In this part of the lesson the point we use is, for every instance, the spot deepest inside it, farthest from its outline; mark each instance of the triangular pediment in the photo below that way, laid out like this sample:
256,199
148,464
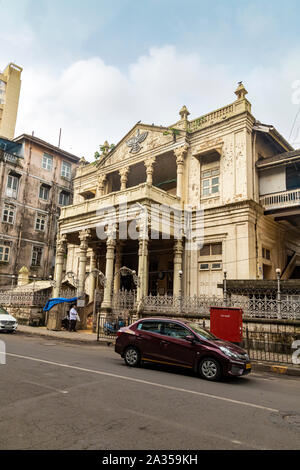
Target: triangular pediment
139,141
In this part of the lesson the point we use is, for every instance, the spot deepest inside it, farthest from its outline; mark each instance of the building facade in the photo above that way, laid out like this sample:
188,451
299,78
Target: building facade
36,182
199,175
10,85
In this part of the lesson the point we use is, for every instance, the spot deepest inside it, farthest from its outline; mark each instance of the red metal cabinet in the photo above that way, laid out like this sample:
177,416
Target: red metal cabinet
227,323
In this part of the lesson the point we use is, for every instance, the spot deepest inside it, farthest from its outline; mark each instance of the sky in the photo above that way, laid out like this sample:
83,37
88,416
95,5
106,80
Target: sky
94,68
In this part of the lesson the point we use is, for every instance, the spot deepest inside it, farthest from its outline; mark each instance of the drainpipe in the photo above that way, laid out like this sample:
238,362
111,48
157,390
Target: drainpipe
20,228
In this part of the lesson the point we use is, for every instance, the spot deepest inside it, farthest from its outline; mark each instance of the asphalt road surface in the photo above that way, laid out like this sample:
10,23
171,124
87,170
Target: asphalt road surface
56,395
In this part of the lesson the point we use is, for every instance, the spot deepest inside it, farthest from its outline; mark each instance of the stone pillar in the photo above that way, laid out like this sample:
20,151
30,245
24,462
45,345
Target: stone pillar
101,185
180,154
124,177
142,267
178,250
84,235
92,277
59,263
118,265
149,169
109,271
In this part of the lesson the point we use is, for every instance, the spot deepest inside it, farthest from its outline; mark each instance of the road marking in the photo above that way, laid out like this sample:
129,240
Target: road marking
130,379
44,386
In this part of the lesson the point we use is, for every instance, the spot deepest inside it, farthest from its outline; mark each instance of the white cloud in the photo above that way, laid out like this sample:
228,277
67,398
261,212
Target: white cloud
92,101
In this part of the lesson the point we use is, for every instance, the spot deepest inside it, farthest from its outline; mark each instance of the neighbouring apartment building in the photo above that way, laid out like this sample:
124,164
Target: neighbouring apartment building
10,85
36,182
243,174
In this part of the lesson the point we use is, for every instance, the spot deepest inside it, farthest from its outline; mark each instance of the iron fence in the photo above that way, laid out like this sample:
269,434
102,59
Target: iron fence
108,326
253,306
275,343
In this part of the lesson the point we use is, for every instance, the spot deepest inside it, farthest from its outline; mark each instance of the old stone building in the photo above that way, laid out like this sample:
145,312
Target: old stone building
10,85
128,207
36,182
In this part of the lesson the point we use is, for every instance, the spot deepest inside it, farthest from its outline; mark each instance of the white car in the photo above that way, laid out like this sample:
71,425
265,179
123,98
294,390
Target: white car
7,322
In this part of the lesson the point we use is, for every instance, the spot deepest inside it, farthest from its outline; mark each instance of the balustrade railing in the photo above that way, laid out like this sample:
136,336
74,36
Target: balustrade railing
31,298
280,200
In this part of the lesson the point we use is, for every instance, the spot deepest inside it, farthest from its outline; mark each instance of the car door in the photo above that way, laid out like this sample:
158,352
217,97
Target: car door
175,349
148,337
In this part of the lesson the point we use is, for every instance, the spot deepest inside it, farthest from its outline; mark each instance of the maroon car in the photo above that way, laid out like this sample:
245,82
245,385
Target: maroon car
181,343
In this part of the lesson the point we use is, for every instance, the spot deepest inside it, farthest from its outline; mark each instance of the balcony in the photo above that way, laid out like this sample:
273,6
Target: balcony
10,158
281,200
129,196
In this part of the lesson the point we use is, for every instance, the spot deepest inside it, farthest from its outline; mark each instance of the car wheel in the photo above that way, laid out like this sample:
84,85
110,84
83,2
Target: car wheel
132,357
210,369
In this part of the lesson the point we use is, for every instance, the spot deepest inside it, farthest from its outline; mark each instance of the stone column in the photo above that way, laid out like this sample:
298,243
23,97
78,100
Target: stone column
109,271
118,266
84,235
149,169
59,263
124,177
92,277
142,267
180,154
178,250
101,185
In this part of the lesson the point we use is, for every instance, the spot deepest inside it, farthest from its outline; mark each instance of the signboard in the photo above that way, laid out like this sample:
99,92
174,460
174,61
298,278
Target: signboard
80,303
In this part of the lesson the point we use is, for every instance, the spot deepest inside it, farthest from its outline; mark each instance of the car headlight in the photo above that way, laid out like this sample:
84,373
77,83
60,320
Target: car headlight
230,353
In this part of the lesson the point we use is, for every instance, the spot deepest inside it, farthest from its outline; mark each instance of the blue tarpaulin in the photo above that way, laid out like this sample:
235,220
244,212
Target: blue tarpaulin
59,300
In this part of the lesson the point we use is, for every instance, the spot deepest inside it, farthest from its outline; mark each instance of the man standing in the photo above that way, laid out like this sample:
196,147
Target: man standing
73,315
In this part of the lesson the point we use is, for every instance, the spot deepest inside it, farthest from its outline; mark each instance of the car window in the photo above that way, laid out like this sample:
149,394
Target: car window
176,331
2,311
205,334
151,326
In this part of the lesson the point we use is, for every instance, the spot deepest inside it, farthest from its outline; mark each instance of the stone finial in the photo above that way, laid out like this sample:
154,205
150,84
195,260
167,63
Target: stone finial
82,161
184,113
23,276
105,147
241,91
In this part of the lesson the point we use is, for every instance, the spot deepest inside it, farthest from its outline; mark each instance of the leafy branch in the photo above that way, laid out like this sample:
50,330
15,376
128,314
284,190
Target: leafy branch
172,131
104,150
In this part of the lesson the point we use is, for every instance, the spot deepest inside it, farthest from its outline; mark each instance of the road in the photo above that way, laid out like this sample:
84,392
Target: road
57,395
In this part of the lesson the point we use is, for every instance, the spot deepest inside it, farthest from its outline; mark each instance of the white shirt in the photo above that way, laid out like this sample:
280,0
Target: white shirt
73,314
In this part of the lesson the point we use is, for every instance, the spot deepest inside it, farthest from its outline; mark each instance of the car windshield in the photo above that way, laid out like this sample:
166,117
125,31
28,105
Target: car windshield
2,311
201,331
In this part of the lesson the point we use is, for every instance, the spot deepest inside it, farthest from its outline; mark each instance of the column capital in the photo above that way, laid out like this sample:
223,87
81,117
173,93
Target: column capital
84,235
123,172
111,230
61,243
149,162
180,153
178,246
100,185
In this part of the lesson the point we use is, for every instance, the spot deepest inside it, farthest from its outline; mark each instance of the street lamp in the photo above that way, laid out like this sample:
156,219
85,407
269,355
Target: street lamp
180,272
225,287
278,274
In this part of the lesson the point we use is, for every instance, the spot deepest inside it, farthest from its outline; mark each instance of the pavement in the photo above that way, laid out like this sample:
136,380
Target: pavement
88,337
58,395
